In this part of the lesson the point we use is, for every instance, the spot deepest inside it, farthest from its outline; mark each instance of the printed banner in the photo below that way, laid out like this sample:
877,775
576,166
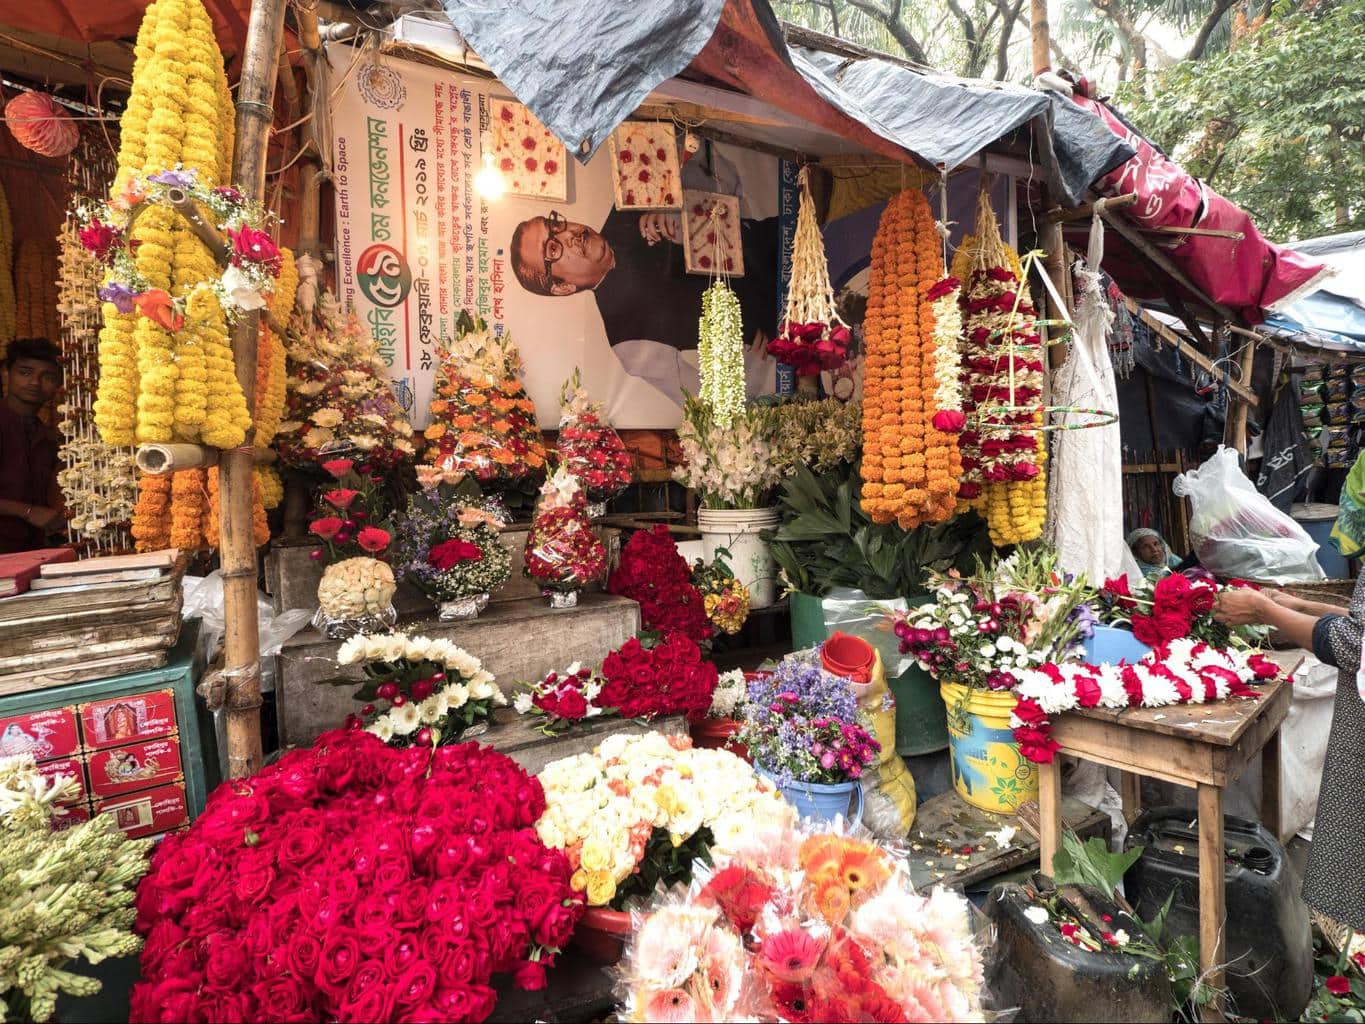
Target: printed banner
578,283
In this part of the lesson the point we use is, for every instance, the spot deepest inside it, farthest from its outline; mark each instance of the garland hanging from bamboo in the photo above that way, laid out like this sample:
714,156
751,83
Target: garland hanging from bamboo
910,465
1003,453
163,379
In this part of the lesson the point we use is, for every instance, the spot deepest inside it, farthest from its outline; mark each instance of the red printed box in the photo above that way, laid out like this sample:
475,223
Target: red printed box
68,816
142,814
138,766
120,720
67,766
44,734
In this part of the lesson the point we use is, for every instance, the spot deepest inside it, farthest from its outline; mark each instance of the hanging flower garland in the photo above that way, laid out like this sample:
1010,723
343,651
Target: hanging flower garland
107,230
910,462
812,336
720,352
151,526
1003,453
1185,671
166,366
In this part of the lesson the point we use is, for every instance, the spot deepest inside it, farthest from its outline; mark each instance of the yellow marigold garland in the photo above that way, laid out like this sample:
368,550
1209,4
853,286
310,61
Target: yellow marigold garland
910,466
178,115
271,486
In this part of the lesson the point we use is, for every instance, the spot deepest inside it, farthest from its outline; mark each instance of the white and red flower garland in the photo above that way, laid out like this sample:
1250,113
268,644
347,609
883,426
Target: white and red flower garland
1181,672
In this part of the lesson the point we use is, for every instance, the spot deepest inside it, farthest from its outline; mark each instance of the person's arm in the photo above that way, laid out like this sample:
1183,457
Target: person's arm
1298,604
35,515
1321,634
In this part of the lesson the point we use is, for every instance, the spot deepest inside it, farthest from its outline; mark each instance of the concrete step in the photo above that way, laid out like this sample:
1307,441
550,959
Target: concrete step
291,575
518,641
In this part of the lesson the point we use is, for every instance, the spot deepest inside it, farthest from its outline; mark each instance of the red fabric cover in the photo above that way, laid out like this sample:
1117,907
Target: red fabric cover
1249,275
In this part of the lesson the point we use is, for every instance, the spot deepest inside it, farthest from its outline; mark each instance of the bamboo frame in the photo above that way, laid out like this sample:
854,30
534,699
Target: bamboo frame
242,668
1187,350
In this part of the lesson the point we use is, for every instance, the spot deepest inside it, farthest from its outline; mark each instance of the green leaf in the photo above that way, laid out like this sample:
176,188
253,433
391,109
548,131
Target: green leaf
1091,863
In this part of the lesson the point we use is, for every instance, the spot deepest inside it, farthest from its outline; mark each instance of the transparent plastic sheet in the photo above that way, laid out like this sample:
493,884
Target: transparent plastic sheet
348,626
204,601
1237,532
853,612
759,934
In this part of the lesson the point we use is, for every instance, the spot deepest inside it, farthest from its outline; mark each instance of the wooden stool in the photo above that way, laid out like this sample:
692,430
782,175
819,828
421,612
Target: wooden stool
1204,746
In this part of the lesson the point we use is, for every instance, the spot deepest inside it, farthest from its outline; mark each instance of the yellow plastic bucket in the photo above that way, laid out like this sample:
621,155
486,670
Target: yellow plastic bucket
988,769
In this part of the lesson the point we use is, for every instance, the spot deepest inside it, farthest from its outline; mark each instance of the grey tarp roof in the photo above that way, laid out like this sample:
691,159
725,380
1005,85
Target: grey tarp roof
582,68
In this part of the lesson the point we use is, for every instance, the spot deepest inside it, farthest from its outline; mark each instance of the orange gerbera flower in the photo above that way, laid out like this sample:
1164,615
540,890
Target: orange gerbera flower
475,398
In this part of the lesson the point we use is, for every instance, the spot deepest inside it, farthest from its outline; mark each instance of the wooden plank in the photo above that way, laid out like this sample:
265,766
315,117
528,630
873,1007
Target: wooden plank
1049,813
110,563
1271,815
35,606
1221,723
95,668
1131,794
1155,755
1086,210
1189,351
89,634
947,825
64,620
128,645
1212,897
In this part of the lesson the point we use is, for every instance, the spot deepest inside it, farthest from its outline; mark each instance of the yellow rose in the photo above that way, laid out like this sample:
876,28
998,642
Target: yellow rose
667,800
601,888
596,855
579,880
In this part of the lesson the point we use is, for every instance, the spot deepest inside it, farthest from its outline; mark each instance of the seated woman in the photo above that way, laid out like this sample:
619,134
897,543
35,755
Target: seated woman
1152,552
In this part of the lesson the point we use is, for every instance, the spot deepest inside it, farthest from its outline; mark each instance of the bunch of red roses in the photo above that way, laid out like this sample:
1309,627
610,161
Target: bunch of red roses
355,882
668,678
652,573
347,514
592,450
562,698
562,551
1178,607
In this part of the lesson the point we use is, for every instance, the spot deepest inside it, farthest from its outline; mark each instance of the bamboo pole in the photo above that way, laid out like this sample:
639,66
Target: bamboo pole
172,458
1050,230
242,667
1236,428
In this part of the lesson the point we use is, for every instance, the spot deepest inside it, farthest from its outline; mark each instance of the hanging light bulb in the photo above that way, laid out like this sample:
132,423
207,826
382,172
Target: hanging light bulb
489,182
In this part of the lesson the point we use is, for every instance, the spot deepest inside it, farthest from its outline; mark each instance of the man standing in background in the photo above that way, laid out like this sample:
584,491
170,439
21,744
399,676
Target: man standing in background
30,500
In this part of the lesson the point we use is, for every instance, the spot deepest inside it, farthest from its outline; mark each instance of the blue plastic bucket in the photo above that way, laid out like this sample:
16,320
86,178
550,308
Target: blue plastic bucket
1109,645
823,801
1317,521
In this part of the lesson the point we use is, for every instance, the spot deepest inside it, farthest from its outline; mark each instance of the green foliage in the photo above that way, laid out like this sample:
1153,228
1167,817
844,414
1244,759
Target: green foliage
1091,863
1275,123
826,541
664,864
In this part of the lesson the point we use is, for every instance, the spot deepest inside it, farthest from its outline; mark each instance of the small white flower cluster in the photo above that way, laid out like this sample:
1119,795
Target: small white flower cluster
466,679
729,694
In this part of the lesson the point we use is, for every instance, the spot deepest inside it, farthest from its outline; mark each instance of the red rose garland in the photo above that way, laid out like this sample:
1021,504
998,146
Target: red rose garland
654,574
1180,672
354,881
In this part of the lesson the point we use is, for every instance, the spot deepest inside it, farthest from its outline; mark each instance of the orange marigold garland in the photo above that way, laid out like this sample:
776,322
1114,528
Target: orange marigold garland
1002,452
189,500
260,526
151,526
910,465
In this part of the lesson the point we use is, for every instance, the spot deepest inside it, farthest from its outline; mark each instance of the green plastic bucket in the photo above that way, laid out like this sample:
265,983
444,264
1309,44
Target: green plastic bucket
921,718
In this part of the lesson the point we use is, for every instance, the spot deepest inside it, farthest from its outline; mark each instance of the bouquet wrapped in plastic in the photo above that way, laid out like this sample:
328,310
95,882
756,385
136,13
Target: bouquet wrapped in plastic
800,927
339,402
482,421
592,450
563,554
452,552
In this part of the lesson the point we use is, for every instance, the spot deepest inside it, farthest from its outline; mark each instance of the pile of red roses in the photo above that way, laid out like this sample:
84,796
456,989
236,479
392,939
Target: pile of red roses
450,553
654,574
810,348
668,678
1178,605
354,881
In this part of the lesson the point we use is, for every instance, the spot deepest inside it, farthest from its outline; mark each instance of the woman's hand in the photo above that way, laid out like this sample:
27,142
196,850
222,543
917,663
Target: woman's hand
1244,607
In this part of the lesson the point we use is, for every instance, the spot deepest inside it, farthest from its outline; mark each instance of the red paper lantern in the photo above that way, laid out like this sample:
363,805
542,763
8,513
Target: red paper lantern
39,123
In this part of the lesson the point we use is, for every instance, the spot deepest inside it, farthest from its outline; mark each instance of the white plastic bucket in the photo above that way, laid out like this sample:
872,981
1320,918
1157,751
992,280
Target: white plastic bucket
737,531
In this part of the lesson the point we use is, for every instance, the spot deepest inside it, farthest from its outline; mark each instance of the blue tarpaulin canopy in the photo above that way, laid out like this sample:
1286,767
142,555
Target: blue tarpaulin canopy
583,68
1332,318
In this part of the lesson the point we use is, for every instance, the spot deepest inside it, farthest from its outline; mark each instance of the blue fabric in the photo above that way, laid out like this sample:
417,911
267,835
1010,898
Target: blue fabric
1322,640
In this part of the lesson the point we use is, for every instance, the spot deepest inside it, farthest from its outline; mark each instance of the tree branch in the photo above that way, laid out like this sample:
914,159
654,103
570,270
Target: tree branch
889,18
969,34
1009,18
1134,42
1201,41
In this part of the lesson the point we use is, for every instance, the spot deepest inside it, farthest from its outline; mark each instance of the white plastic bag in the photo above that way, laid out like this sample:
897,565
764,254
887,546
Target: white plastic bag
1237,532
204,601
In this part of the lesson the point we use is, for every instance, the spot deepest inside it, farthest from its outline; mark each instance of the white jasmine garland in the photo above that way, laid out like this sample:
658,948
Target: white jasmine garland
720,353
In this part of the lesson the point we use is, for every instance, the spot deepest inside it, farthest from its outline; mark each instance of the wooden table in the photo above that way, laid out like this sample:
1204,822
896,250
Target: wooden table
1205,746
